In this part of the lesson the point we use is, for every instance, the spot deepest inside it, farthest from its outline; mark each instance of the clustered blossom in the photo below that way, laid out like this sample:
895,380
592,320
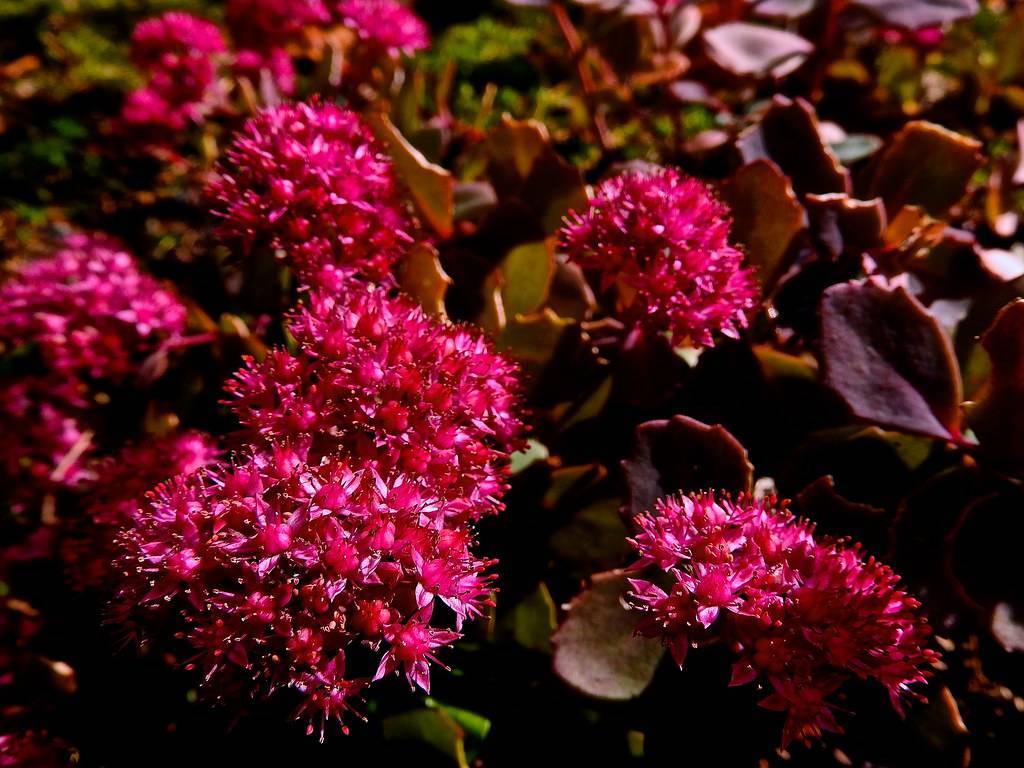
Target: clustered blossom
46,445
382,383
804,614
88,309
310,180
385,23
336,548
30,750
176,52
313,578
260,30
118,487
661,239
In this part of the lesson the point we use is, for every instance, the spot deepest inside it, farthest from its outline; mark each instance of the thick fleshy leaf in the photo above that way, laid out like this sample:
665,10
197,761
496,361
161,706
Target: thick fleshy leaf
594,539
432,187
918,14
523,163
789,134
596,651
889,360
998,419
527,271
783,9
756,50
925,165
838,517
842,224
683,454
534,619
421,276
766,215
430,726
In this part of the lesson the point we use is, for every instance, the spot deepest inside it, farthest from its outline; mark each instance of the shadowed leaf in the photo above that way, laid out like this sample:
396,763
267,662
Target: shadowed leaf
683,454
595,649
788,134
998,419
889,360
925,165
766,215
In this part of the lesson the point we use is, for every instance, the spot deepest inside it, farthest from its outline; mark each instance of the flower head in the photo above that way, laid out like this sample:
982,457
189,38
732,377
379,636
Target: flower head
118,486
806,614
385,23
176,52
88,309
307,577
661,239
261,29
393,390
263,25
309,180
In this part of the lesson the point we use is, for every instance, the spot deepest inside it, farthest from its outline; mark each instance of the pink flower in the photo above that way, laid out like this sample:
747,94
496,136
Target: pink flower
389,388
118,487
385,23
89,310
805,614
274,64
278,569
31,750
46,444
310,180
261,29
661,240
177,54
264,25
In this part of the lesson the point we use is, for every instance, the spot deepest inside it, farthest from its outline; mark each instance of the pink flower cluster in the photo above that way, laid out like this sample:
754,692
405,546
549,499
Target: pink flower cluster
90,314
89,310
30,750
392,390
46,445
118,487
336,548
385,23
804,614
661,239
310,180
316,579
177,54
260,30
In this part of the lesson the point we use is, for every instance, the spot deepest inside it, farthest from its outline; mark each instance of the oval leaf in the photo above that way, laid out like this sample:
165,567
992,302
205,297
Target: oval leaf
755,50
889,360
595,649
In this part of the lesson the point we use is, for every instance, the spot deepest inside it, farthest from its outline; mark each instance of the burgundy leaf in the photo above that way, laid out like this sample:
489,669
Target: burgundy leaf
683,454
889,360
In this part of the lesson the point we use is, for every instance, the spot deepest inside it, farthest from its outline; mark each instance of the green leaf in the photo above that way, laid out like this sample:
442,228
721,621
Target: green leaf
534,619
594,539
435,727
535,451
527,270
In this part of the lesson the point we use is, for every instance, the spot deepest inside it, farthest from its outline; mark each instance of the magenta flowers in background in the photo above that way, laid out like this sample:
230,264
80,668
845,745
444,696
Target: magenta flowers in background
176,54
